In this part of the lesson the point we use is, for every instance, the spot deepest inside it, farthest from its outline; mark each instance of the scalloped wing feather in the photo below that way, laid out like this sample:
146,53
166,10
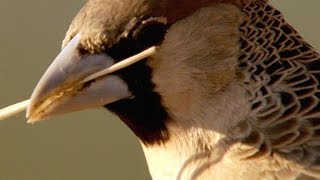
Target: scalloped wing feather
281,73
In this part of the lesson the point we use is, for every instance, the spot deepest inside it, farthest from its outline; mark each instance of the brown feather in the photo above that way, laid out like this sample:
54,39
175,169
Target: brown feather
103,23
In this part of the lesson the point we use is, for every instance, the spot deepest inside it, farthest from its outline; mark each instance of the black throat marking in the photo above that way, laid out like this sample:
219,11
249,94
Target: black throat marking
144,113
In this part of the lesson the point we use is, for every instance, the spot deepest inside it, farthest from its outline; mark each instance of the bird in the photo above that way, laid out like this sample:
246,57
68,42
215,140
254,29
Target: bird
232,91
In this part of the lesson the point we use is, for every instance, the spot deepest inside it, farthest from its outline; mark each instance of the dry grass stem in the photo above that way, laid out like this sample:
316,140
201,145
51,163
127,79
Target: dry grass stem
13,109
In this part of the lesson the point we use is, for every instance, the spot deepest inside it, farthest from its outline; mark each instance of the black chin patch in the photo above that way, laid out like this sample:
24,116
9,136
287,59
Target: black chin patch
144,113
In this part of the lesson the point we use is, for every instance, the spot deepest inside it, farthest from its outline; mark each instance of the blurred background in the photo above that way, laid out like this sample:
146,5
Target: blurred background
86,145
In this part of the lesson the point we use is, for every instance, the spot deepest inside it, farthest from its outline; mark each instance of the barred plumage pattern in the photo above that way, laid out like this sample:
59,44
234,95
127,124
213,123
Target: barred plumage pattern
281,73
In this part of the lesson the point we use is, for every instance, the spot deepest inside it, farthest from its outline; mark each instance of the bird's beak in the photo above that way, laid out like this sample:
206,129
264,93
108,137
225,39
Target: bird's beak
62,90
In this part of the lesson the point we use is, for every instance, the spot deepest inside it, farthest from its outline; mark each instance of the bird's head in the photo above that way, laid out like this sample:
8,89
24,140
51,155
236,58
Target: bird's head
195,53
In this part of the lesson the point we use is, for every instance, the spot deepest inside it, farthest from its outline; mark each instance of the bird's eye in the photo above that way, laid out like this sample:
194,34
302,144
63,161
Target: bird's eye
83,51
145,34
150,32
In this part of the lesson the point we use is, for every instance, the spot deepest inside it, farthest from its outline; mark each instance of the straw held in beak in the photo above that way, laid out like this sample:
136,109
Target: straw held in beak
12,110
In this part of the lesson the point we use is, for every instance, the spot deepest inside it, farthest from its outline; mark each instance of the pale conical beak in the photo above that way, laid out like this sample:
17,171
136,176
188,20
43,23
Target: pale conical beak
61,89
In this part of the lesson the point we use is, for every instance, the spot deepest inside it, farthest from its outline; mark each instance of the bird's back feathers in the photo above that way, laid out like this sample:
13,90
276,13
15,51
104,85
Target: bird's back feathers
281,74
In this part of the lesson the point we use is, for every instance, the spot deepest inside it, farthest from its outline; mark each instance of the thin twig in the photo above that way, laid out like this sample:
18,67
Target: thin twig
13,109
22,106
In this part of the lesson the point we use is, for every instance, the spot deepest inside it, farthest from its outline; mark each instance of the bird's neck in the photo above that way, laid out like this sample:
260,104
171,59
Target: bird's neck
200,140
178,159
